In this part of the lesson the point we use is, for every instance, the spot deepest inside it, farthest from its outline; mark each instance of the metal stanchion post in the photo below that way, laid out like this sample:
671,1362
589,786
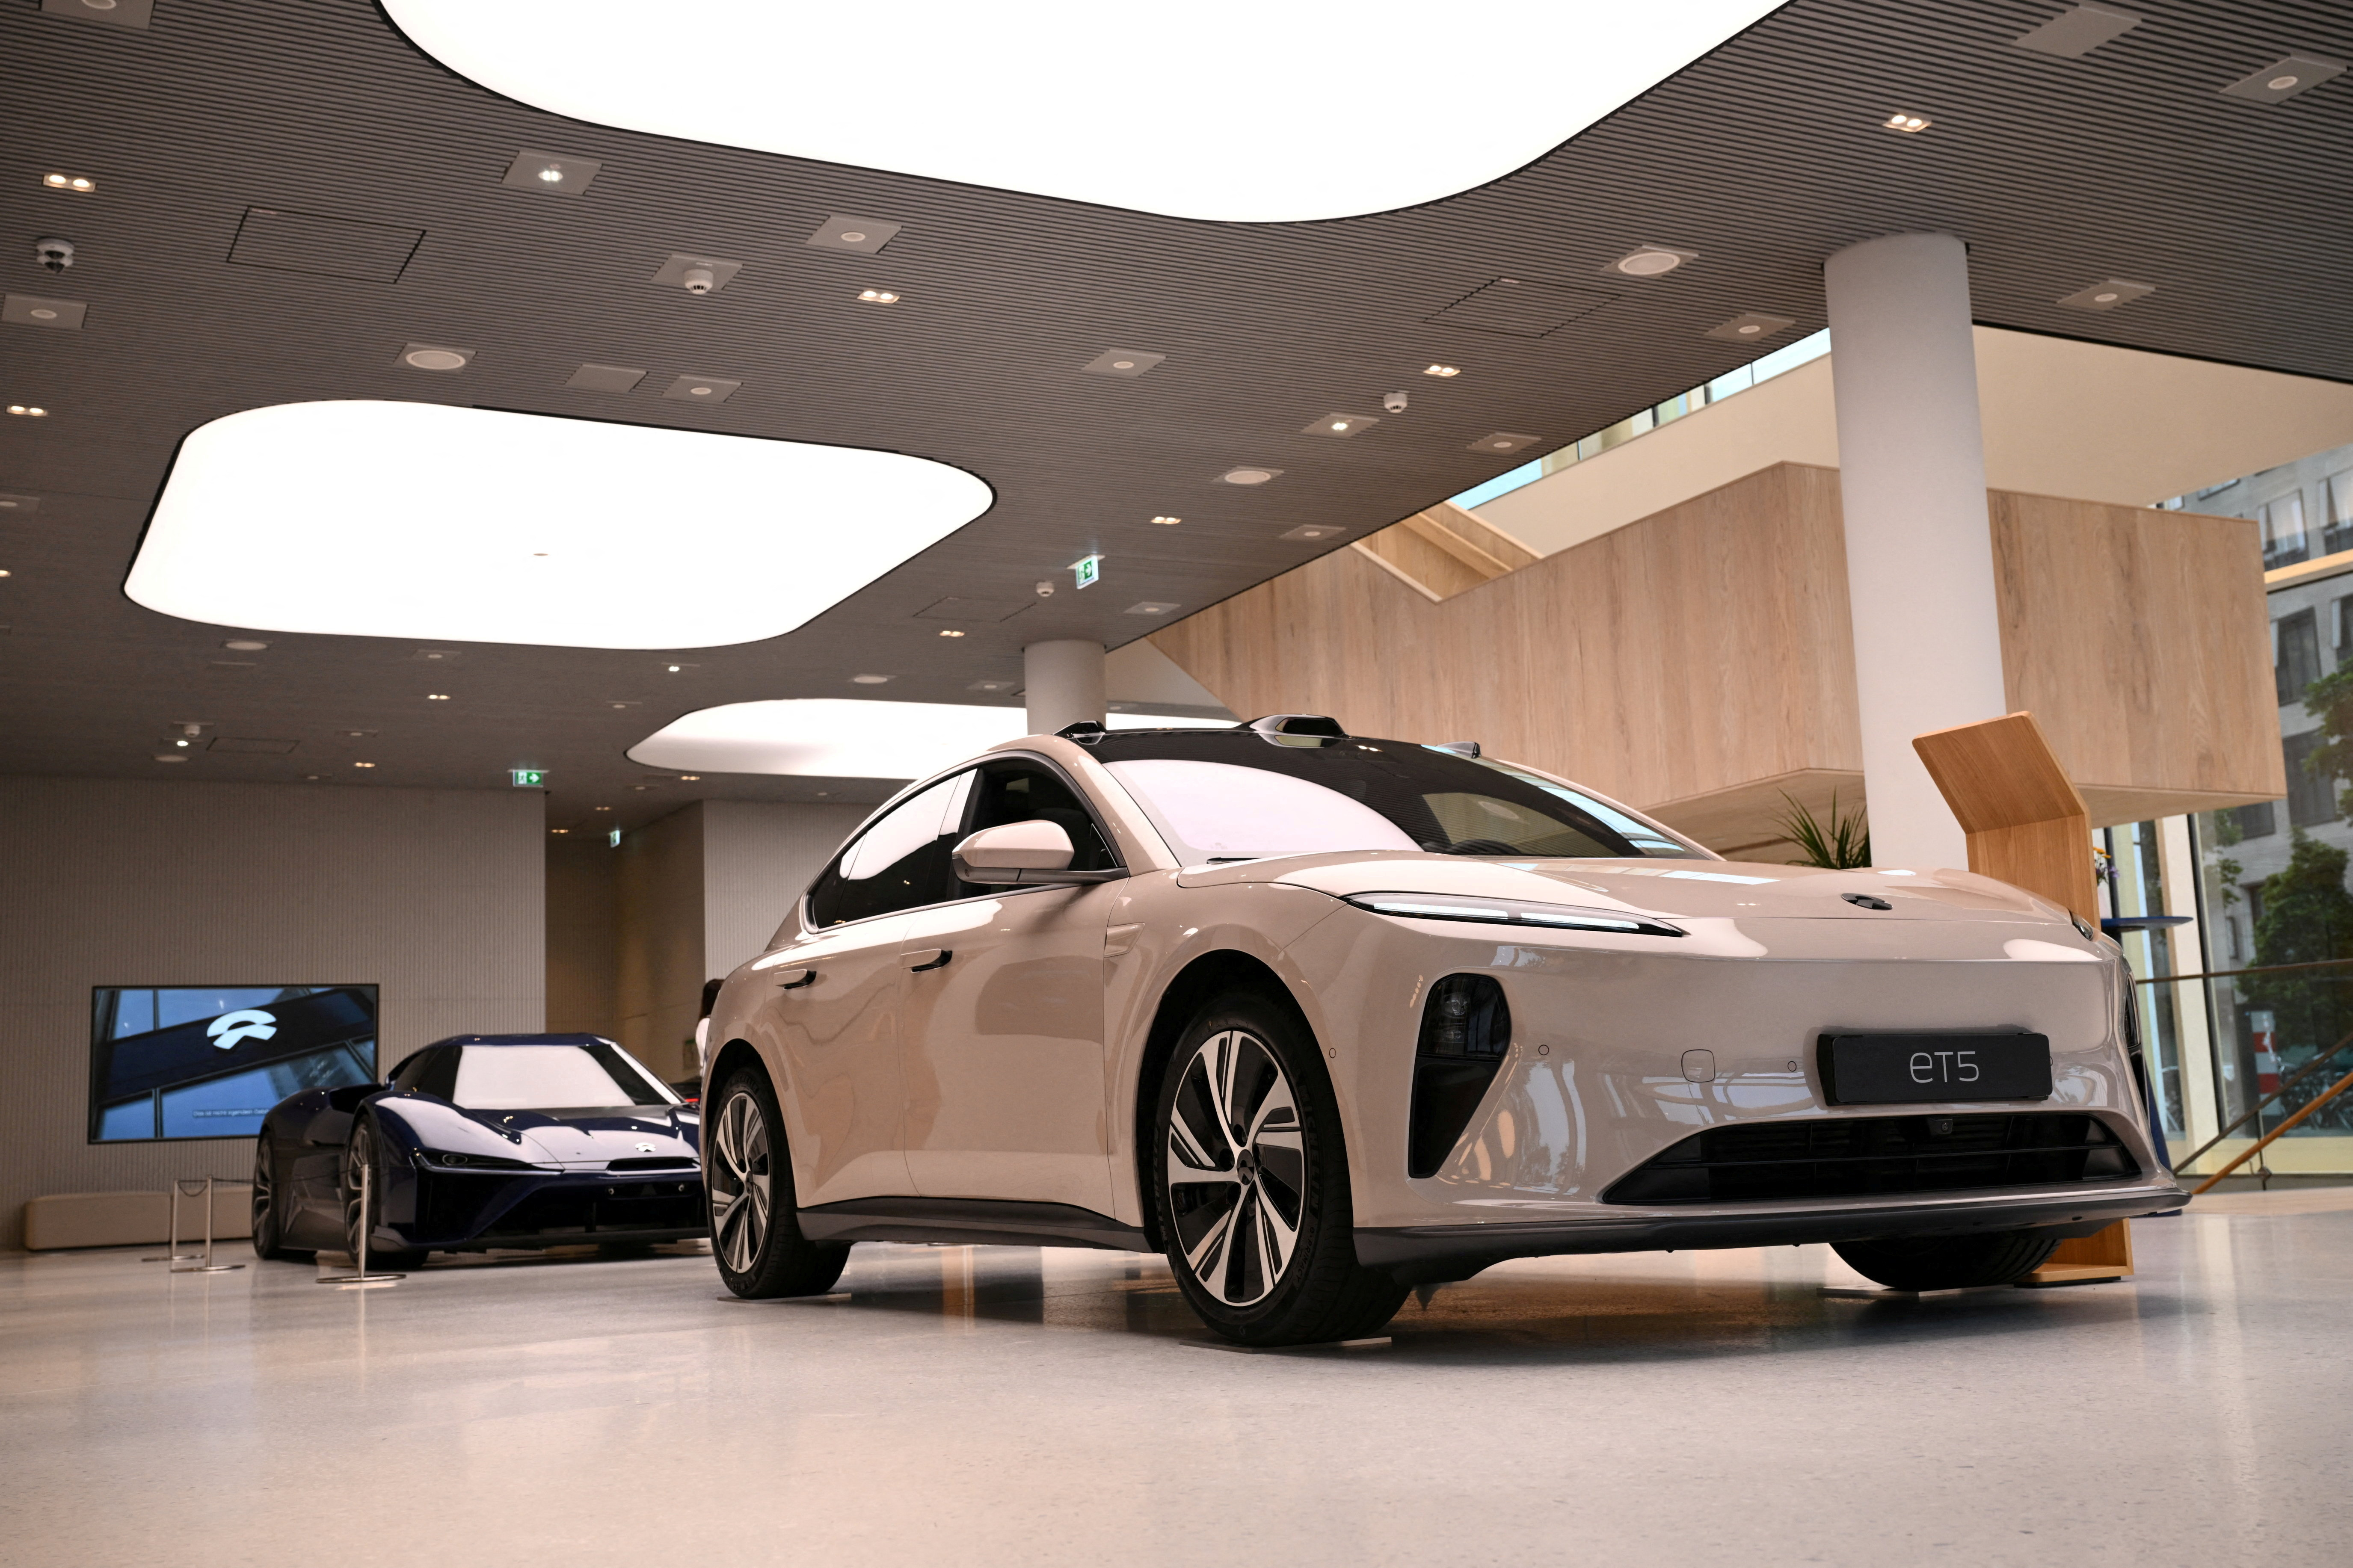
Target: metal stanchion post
172,1253
180,1186
360,1278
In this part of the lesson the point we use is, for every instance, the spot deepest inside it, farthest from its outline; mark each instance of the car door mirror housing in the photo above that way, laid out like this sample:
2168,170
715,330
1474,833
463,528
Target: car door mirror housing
1021,853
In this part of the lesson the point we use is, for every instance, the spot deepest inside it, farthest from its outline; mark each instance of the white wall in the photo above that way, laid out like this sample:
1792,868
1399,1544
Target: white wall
434,896
758,856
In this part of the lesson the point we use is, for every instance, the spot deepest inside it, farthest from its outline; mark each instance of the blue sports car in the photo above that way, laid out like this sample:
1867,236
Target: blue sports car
482,1141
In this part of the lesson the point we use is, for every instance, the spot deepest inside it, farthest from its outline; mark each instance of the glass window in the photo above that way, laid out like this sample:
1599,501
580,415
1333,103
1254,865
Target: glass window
2257,821
2337,505
2310,799
899,863
553,1078
2295,654
1021,791
2283,525
1226,795
433,1072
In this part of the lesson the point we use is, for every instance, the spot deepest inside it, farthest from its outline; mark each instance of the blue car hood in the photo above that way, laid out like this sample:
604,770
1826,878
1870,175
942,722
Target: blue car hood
594,1139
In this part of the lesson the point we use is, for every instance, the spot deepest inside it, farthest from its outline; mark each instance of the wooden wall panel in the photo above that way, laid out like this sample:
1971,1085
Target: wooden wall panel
2140,640
1700,662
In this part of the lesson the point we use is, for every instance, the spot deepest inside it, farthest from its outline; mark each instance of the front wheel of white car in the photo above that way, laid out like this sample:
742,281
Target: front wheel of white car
1250,1182
756,1237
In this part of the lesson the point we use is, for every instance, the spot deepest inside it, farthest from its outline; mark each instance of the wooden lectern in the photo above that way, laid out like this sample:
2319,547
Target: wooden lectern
2028,827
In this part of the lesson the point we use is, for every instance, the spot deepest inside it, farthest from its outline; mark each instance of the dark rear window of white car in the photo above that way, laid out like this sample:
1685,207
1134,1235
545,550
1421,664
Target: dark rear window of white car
1237,795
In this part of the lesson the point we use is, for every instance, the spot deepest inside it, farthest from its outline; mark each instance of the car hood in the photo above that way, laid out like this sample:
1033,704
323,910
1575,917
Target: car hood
595,1137
1732,889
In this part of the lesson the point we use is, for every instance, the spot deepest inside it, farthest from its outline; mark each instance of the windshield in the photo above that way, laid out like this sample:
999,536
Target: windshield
1239,796
553,1078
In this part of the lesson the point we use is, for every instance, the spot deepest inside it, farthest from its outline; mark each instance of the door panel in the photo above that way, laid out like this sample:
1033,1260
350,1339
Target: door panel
843,1096
1003,1046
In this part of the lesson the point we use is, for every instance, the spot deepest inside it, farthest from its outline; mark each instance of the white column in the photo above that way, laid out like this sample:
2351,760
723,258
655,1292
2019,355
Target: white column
1065,682
1919,552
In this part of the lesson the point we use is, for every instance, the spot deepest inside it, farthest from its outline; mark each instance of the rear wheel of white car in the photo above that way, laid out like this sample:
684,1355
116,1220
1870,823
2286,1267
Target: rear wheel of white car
1949,1262
755,1235
1250,1182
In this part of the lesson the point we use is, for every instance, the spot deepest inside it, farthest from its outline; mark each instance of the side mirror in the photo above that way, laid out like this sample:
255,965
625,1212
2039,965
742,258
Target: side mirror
1021,853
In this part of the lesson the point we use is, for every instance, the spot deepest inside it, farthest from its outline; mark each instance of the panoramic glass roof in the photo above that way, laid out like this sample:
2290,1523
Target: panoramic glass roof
416,520
846,738
1242,111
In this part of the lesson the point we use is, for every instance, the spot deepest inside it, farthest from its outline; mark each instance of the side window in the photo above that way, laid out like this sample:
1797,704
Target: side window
899,863
431,1072
1026,792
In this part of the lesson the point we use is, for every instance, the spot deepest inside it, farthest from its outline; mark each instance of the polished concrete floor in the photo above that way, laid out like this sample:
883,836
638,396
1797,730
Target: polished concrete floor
1004,1405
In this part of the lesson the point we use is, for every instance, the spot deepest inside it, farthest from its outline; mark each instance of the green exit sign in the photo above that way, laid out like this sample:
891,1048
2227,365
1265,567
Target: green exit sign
1088,569
528,778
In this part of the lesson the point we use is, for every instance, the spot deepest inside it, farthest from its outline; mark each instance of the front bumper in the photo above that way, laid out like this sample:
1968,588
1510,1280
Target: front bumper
455,1211
1421,1254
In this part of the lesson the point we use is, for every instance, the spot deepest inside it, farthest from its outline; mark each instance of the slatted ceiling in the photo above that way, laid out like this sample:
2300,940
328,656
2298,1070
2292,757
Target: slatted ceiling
1763,158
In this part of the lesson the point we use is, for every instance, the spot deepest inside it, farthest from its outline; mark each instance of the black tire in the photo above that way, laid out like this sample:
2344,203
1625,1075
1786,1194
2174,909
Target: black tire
1949,1262
1234,1168
747,1180
268,1225
363,1149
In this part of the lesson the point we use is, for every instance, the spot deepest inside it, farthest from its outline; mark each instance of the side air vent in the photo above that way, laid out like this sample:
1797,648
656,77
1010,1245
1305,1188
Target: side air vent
1877,1156
1466,1028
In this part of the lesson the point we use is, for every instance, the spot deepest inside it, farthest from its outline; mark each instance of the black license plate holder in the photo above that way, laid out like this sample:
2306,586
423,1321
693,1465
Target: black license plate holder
1860,1069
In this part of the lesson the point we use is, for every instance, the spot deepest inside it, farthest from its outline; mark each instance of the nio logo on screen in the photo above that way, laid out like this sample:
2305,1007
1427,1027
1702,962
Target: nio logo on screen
232,1029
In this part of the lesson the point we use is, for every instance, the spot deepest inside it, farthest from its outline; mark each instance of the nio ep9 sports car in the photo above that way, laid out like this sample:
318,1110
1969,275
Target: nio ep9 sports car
1322,1017
480,1141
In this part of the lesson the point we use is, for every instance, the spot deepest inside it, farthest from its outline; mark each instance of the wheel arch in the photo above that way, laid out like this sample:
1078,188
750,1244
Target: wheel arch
737,1053
1207,975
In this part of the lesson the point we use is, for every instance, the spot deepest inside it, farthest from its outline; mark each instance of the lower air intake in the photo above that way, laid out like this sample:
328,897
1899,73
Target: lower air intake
1877,1156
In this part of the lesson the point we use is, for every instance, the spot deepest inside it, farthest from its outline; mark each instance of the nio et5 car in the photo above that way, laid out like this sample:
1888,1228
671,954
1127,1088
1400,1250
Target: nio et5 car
477,1142
1322,1018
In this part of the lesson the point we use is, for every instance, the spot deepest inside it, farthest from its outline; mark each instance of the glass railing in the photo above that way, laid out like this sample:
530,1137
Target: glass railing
2281,1038
1780,359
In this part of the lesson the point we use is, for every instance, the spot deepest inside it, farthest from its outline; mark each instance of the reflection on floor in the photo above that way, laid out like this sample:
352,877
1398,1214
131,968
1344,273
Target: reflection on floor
1004,1404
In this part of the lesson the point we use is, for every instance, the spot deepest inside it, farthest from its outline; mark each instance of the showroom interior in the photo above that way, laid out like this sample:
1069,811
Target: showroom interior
493,497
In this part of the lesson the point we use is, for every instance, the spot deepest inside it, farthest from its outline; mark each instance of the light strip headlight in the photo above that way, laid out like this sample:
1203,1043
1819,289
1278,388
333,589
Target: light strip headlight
1508,911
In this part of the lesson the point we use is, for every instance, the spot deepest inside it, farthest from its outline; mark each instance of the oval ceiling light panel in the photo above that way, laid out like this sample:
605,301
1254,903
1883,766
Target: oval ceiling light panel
417,520
1237,111
849,737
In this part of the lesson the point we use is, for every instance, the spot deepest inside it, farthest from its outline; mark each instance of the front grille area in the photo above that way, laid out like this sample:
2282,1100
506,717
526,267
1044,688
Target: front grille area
614,1205
1877,1156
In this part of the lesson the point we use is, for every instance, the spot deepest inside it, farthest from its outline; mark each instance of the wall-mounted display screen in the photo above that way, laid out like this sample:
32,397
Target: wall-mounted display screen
208,1061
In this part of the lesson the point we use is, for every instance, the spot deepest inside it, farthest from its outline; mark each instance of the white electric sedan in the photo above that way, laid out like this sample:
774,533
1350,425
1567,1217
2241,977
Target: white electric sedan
1322,1018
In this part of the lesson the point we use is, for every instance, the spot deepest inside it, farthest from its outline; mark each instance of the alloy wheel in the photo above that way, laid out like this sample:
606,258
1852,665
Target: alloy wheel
265,1190
1237,1168
358,1155
739,1180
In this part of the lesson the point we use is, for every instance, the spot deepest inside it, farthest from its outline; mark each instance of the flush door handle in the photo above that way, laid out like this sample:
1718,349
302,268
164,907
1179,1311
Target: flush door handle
924,958
793,979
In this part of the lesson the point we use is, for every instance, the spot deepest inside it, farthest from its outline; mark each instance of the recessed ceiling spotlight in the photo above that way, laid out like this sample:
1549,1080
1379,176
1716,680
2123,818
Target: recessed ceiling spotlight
69,183
1248,476
1168,521
690,778
877,296
1906,124
245,645
5,572
1750,327
180,743
603,808
1129,363
170,757
29,411
1344,425
2106,295
673,667
1310,531
868,680
437,697
2284,78
1650,262
559,830
1443,369
363,764
864,235
1151,607
432,356
1503,441
2077,31
950,632
703,389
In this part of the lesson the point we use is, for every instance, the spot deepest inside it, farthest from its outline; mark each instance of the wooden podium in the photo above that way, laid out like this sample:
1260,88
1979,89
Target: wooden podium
2028,827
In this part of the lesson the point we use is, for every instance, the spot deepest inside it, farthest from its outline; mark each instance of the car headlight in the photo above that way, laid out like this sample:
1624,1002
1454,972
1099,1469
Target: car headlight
1509,912
447,1158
